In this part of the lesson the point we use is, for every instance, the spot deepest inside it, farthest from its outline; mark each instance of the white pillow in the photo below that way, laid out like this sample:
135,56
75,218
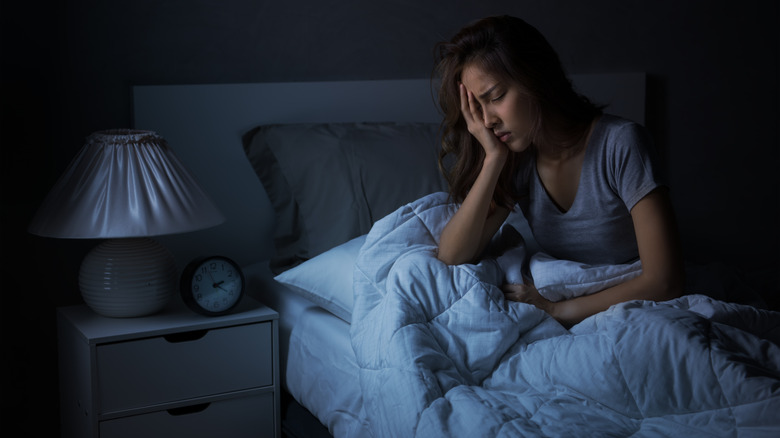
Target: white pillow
559,280
327,278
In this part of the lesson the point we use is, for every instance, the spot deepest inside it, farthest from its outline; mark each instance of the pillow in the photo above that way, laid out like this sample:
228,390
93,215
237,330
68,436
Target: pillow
559,280
329,182
327,279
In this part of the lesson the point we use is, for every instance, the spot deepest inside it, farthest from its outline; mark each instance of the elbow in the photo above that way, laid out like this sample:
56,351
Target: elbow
671,291
676,287
446,260
451,254
670,286
450,259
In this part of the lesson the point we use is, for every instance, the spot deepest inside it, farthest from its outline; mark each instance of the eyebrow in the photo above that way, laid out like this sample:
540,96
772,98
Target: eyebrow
487,93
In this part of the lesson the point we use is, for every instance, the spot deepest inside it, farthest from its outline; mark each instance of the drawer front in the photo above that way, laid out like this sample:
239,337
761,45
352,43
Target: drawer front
251,416
159,370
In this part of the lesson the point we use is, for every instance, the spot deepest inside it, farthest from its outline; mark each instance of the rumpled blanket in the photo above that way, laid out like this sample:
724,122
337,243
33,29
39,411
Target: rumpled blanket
443,354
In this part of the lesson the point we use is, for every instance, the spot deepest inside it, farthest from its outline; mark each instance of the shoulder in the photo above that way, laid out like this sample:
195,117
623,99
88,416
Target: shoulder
618,141
629,159
617,131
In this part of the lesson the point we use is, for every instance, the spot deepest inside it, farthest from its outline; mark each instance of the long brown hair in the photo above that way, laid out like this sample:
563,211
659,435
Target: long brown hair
512,50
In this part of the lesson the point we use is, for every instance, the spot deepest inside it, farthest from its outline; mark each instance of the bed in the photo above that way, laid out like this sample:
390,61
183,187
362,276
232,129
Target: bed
334,202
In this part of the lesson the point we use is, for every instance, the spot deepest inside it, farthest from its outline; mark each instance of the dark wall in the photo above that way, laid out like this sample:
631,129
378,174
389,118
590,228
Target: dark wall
67,70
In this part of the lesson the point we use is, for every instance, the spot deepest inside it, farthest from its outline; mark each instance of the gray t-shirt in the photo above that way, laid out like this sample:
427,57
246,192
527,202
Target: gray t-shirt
619,169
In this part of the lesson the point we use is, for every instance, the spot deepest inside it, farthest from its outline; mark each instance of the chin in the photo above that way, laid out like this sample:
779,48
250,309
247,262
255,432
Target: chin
519,146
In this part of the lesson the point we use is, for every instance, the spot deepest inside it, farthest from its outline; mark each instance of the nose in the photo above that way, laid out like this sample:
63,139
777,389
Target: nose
489,118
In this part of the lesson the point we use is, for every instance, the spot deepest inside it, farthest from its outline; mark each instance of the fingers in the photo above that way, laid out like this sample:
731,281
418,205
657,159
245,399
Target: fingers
470,109
473,107
466,105
464,101
514,292
524,293
472,114
515,287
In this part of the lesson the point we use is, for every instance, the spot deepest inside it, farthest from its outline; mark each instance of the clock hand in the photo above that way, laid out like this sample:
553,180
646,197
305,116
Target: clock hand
219,286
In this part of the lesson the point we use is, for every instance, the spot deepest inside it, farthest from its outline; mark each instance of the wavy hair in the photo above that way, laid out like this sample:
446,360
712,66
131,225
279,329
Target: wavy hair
512,50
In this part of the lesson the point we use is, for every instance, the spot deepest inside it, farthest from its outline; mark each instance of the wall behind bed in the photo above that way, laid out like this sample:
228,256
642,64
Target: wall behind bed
67,70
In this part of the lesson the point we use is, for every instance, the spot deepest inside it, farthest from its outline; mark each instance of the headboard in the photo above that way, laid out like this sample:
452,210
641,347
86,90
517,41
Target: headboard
204,125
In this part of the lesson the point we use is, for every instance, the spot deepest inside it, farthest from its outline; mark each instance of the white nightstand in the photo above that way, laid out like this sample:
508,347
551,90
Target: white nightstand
176,373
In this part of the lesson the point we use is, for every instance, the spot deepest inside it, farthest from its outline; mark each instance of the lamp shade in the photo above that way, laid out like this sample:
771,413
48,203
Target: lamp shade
124,183
125,186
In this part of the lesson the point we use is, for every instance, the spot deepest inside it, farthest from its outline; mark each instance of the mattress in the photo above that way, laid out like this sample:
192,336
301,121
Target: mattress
318,365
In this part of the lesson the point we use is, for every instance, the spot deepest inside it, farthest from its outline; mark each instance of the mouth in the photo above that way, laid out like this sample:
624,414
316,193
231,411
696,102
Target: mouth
502,136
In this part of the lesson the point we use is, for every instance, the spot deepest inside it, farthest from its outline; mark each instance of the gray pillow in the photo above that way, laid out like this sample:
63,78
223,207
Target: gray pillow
329,182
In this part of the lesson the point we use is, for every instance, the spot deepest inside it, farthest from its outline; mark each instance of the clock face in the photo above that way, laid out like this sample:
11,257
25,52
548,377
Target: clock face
213,285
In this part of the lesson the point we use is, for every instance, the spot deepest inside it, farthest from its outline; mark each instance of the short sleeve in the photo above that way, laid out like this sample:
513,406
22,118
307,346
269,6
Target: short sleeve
635,171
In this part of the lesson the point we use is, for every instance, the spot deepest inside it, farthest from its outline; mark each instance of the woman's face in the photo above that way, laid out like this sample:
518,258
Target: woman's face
505,108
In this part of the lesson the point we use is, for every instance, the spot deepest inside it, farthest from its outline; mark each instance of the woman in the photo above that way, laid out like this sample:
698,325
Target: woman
584,180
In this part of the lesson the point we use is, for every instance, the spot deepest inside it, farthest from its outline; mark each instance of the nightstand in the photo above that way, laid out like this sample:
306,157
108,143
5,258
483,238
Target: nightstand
176,373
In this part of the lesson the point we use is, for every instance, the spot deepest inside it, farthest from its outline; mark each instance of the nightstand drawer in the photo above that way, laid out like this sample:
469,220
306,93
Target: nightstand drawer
251,416
164,369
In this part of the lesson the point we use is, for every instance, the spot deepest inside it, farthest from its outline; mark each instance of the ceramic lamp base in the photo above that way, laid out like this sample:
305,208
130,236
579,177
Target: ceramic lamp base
123,278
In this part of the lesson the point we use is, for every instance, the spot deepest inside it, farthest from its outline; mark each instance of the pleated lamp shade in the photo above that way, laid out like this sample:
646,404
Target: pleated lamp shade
125,185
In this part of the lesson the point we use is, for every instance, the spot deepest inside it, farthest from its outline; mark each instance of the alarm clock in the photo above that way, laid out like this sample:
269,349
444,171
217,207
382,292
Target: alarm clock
212,285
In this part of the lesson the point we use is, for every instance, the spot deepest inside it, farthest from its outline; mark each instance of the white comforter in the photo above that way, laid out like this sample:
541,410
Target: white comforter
442,353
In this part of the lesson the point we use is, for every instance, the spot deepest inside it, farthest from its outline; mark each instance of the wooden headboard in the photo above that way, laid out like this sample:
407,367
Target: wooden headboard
204,124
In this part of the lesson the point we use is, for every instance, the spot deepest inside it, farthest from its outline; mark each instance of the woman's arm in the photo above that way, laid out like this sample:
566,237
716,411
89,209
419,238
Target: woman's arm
469,230
662,276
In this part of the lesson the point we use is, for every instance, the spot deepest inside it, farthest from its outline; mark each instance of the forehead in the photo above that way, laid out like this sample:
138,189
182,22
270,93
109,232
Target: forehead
477,79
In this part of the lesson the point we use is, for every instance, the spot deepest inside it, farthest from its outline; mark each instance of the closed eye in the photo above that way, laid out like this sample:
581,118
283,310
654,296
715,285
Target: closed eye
497,98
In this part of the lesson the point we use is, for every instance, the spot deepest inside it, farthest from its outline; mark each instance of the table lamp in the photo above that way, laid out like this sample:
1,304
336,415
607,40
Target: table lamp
125,186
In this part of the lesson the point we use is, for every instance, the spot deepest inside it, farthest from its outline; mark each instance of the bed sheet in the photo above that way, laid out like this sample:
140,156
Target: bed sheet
322,372
318,364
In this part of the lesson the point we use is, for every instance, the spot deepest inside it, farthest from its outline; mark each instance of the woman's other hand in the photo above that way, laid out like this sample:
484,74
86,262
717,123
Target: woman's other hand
527,293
